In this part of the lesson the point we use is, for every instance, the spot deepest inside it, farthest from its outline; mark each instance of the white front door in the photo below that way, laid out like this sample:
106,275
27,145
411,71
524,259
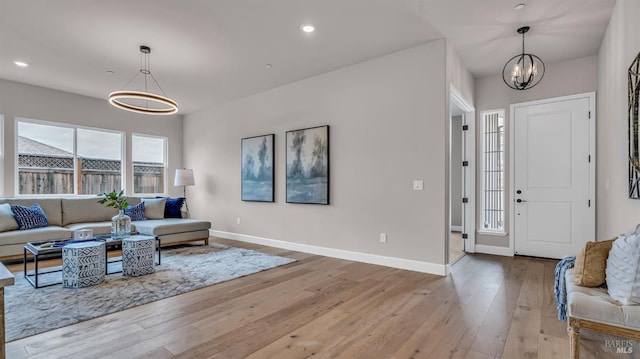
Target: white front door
553,167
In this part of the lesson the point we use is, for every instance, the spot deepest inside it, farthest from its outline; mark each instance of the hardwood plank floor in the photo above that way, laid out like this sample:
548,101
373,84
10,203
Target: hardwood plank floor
489,307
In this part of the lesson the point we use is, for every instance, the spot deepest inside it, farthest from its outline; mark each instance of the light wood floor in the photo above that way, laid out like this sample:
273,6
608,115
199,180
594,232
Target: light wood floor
489,307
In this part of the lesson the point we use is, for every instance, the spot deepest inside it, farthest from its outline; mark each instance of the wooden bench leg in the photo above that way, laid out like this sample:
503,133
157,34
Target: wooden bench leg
573,327
206,241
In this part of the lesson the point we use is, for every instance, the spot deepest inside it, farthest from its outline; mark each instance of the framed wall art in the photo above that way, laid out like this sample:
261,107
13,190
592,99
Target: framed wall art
634,143
307,170
258,168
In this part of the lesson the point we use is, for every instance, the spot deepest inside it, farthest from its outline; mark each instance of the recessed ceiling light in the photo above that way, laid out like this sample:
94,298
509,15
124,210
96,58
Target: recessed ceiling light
110,72
308,28
519,6
268,65
20,63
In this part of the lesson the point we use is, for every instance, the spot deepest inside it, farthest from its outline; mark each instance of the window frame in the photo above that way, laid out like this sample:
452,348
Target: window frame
483,174
16,167
165,167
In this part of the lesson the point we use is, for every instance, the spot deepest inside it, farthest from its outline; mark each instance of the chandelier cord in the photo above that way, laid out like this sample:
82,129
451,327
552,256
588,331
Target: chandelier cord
122,99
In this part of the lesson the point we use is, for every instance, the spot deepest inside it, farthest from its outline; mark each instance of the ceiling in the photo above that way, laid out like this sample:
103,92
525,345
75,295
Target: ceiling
208,52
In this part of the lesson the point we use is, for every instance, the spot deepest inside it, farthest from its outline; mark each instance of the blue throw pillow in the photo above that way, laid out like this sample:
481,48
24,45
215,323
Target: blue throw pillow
29,217
136,212
173,207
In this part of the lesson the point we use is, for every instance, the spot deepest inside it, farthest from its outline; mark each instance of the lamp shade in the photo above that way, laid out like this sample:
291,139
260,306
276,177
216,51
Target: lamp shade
184,177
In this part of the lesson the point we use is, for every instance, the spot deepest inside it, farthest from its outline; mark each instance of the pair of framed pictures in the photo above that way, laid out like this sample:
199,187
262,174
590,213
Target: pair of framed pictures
307,166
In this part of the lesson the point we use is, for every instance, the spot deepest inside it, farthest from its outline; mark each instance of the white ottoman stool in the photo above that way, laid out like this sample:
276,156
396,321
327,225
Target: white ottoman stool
83,264
138,255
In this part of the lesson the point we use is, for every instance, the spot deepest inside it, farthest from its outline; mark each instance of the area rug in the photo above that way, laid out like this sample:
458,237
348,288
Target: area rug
30,311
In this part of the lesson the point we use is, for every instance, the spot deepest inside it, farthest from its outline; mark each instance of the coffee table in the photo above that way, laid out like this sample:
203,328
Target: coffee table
35,250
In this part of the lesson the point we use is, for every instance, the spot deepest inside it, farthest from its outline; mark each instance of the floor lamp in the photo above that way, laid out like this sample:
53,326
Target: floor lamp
184,178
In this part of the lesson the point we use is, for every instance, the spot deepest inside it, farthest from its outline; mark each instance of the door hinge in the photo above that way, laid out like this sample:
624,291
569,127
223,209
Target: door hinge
465,200
465,127
589,158
589,204
465,163
589,114
465,236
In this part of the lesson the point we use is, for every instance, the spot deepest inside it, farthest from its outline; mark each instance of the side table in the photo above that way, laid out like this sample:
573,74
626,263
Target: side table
83,264
138,256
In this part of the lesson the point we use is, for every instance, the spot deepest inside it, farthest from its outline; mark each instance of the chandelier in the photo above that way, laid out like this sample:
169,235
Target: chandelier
144,101
523,71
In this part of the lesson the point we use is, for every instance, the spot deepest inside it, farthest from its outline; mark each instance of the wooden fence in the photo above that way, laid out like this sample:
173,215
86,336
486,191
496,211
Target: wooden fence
95,176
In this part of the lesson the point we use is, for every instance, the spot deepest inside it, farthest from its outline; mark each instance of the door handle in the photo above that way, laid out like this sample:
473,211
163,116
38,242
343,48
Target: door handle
520,200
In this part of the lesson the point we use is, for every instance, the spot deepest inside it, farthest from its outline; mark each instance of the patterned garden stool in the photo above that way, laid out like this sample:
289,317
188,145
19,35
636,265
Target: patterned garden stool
83,264
138,256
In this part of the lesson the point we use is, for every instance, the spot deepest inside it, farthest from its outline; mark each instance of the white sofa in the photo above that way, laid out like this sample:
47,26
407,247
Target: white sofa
65,215
592,308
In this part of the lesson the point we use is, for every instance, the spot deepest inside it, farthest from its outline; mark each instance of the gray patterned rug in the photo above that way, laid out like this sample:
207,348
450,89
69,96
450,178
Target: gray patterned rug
30,311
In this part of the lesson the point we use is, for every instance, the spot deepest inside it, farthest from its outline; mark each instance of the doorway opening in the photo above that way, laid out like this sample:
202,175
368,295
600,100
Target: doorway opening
461,226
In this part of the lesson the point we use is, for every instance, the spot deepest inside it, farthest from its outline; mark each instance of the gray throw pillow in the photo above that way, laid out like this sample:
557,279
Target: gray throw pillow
7,220
154,207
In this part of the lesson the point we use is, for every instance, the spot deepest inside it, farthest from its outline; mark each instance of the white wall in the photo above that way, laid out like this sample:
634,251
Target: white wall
491,93
388,119
19,100
615,212
458,75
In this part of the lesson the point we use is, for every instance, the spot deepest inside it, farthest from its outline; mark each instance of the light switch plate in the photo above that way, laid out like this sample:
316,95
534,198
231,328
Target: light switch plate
418,185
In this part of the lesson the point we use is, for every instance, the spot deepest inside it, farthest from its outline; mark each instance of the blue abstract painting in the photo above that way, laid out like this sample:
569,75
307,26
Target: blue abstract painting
308,165
257,168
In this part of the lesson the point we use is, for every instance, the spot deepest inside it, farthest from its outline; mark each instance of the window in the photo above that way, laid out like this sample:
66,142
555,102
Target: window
493,172
62,159
99,161
149,164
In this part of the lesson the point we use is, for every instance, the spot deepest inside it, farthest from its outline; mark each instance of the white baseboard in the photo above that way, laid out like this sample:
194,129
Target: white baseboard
423,267
495,250
456,229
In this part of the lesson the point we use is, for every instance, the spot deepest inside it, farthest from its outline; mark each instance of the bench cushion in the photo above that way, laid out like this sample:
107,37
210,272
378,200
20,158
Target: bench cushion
595,304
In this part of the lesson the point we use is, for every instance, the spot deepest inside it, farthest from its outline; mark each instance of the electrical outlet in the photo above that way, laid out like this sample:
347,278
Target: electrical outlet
383,238
418,185
238,220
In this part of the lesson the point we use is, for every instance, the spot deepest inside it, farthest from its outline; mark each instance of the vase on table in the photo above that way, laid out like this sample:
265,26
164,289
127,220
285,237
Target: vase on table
120,225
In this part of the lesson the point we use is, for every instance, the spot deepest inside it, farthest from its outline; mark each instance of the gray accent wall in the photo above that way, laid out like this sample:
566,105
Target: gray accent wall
20,100
615,212
389,126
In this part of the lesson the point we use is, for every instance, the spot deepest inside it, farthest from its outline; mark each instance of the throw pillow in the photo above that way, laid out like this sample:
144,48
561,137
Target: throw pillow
136,212
7,220
29,217
623,268
154,207
173,207
591,263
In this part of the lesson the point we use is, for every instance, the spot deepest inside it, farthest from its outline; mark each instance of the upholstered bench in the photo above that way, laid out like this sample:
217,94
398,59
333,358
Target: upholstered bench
592,308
